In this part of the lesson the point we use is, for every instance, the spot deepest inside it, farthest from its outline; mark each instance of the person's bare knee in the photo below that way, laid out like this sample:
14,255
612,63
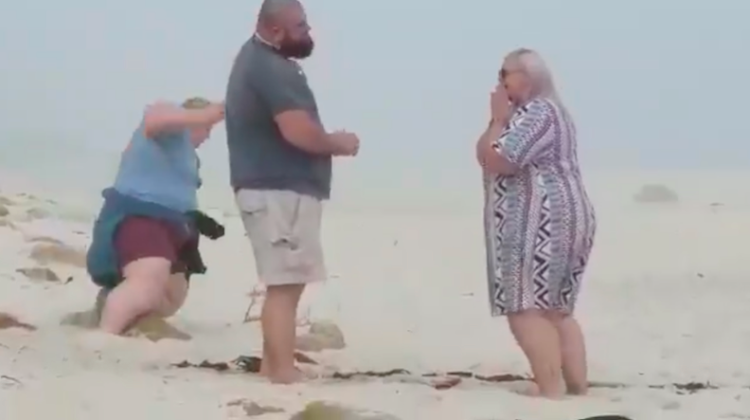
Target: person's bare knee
140,293
174,296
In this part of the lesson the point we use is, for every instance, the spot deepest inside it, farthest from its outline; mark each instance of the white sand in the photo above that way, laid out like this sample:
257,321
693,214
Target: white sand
665,301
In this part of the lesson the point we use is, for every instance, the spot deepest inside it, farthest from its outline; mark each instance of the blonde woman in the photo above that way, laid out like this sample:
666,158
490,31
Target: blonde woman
539,222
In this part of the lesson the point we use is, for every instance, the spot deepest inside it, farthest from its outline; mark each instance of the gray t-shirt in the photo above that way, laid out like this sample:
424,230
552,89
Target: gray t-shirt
263,84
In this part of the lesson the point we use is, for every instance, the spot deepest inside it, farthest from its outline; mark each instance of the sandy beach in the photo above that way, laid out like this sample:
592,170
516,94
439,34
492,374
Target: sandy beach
664,304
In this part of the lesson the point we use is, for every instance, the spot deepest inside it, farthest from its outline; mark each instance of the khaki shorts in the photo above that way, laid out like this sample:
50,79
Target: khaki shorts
284,231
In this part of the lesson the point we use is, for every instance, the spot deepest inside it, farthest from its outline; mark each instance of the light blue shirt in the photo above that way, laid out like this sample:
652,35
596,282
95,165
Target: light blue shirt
163,170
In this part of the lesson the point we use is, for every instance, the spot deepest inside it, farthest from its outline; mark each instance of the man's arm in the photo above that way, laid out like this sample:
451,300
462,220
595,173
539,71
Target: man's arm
165,117
283,89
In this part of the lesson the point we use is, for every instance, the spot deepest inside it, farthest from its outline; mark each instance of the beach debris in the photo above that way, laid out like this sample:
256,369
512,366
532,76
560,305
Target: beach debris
246,364
54,251
440,381
253,409
322,335
446,382
655,193
4,211
322,410
45,240
9,382
680,388
218,366
256,297
607,417
8,321
35,213
39,274
156,329
437,380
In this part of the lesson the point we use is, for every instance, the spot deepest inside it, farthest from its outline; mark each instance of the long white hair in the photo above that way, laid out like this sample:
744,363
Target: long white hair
542,82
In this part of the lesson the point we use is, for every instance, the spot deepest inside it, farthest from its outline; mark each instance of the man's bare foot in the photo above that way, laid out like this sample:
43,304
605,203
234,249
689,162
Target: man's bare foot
286,377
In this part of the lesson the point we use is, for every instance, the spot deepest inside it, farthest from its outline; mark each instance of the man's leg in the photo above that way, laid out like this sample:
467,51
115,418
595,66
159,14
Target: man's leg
279,322
284,230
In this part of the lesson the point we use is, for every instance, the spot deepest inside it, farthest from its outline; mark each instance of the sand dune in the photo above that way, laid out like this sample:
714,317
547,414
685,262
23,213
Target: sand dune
664,303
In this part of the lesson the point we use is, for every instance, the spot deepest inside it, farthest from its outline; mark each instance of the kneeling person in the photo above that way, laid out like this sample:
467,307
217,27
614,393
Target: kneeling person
145,238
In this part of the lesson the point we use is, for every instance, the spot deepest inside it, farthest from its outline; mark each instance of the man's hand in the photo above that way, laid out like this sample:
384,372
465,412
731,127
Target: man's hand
344,143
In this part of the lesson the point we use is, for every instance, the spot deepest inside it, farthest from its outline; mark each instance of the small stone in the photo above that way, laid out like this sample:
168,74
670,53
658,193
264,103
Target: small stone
39,274
321,336
4,211
253,409
321,410
655,193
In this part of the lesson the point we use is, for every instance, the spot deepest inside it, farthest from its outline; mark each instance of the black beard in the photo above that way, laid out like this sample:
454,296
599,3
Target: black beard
298,50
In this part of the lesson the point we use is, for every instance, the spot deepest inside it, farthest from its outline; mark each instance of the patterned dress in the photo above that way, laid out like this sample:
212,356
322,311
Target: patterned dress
539,223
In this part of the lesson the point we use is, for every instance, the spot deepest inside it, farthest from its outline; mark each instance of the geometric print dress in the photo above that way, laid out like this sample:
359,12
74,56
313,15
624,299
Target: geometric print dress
539,223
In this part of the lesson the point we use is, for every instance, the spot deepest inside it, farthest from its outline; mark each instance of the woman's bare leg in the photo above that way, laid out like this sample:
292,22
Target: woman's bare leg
573,352
540,342
141,293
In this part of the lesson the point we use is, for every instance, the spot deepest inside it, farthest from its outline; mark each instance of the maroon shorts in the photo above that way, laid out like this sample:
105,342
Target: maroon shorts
143,237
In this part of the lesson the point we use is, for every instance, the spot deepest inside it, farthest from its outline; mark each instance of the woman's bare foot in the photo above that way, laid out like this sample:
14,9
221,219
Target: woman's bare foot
533,390
577,389
530,390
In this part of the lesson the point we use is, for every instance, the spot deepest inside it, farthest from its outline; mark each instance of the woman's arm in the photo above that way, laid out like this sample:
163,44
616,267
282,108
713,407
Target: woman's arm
488,154
521,144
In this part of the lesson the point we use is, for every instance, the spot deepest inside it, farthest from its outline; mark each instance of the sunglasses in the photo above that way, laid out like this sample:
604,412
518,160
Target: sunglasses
505,73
